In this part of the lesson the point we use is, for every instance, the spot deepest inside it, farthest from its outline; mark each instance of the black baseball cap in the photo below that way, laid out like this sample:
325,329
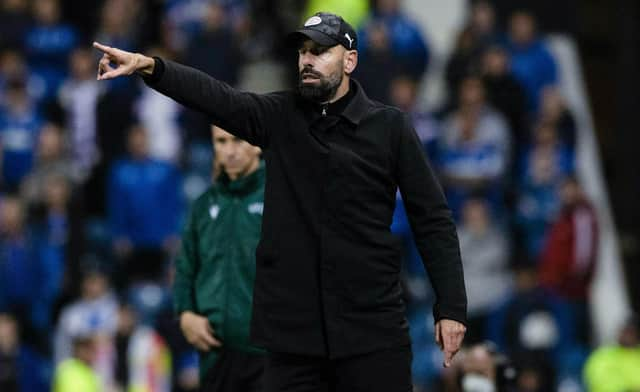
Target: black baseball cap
326,29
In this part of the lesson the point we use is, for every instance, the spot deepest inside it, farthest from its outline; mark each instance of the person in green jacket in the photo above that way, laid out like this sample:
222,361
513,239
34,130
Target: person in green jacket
215,268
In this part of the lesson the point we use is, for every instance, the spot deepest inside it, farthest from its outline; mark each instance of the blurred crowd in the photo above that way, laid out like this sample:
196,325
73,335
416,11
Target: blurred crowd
96,177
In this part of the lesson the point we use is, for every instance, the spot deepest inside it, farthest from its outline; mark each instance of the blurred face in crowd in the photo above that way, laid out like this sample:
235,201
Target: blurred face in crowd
57,193
479,369
17,99
388,7
323,69
94,285
476,216
50,143
82,64
403,93
137,142
11,216
522,28
46,11
543,167
12,64
482,17
495,62
630,334
85,349
570,191
235,156
8,333
126,320
552,103
214,17
546,134
472,92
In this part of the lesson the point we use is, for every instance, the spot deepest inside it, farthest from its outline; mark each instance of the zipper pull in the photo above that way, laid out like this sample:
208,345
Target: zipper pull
324,109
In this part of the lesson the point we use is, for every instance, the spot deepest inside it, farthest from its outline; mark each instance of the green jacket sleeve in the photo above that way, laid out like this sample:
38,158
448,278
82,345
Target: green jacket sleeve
187,264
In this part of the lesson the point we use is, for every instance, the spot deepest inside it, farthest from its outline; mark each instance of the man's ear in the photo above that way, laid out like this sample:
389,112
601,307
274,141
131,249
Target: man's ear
350,61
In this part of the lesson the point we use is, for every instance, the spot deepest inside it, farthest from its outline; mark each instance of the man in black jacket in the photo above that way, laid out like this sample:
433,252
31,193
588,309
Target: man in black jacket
327,298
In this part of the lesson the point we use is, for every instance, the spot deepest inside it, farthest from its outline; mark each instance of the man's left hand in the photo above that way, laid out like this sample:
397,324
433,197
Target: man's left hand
449,335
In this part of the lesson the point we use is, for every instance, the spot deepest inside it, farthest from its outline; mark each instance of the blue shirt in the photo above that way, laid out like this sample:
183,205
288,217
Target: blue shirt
145,201
18,137
534,67
48,49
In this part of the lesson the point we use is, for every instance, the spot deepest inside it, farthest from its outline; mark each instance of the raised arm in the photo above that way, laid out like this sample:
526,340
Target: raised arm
243,114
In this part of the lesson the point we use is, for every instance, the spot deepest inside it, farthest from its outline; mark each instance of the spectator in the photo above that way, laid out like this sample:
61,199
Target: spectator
474,148
615,367
485,257
14,23
21,368
144,362
79,97
19,126
481,367
536,329
505,93
93,314
389,38
482,22
478,33
13,67
543,165
50,161
217,35
139,187
159,116
118,23
569,254
76,373
30,273
554,110
48,45
404,95
531,62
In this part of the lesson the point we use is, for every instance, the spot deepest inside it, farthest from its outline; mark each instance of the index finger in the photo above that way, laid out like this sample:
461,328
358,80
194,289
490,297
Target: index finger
104,48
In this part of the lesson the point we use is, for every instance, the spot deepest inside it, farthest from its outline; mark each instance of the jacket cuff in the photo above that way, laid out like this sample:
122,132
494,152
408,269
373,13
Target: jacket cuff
459,315
158,71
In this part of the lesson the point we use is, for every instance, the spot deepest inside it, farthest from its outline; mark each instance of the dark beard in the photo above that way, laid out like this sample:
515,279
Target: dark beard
324,91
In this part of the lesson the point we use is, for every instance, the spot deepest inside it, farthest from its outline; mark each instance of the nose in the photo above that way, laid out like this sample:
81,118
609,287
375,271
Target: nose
306,59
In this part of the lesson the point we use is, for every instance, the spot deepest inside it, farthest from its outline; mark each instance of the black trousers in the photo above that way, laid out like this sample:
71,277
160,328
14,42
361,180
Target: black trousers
380,371
235,371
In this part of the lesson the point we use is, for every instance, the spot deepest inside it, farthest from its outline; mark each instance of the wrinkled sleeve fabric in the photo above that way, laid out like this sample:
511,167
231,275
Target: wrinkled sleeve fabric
431,223
243,114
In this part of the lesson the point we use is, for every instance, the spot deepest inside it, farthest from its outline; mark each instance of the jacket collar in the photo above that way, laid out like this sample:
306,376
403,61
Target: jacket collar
243,185
354,112
359,105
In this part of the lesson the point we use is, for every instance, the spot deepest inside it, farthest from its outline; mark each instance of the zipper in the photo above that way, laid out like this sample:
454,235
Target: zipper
324,109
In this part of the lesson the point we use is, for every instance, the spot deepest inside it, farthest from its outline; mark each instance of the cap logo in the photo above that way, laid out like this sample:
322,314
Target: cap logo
313,21
348,37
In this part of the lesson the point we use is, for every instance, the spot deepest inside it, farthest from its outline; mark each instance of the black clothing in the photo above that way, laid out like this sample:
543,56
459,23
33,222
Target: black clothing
235,371
381,371
328,267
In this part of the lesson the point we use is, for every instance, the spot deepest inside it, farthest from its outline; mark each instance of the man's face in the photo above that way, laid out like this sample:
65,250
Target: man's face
321,70
237,157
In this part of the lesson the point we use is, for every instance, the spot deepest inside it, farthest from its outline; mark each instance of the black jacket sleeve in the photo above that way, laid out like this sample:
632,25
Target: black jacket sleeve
245,115
432,225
